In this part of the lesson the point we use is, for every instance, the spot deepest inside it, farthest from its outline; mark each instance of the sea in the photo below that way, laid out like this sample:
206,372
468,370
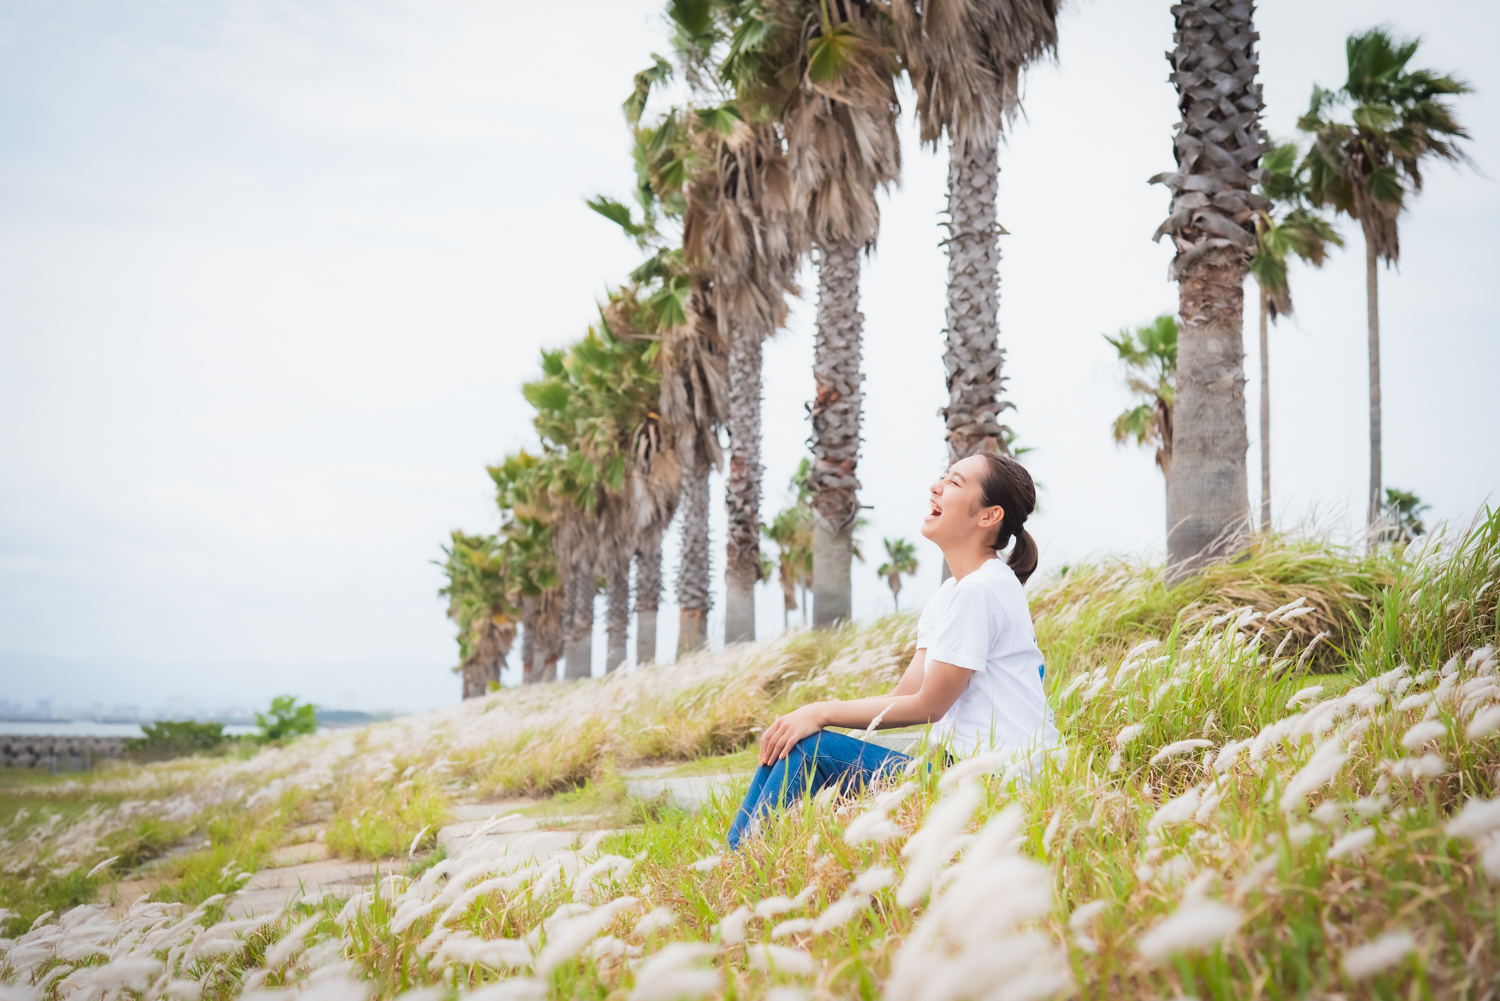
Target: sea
89,728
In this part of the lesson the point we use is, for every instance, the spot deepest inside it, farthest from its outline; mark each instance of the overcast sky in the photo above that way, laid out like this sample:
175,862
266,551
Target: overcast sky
272,273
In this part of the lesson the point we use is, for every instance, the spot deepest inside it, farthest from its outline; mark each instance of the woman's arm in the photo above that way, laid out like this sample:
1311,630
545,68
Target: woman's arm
941,685
911,680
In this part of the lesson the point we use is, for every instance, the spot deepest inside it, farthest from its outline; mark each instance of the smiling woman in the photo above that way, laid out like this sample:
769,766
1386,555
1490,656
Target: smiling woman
976,677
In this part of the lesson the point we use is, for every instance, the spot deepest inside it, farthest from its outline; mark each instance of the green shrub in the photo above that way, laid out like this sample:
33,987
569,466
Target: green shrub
287,719
166,739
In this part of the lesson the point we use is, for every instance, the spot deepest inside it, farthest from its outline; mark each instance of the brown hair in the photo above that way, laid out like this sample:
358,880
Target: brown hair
1006,484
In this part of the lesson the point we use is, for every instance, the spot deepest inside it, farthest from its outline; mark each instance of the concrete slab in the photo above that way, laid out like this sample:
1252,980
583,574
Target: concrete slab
272,889
687,792
308,851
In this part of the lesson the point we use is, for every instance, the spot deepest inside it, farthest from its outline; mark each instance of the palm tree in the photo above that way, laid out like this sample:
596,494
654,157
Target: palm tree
964,59
1212,224
1367,166
901,558
480,603
791,531
526,514
738,224
1298,230
1150,357
825,68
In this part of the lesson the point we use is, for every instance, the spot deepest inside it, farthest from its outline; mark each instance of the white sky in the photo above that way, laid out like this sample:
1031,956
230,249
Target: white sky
271,275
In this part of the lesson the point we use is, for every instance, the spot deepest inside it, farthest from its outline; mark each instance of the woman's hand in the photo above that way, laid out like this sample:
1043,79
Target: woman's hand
781,735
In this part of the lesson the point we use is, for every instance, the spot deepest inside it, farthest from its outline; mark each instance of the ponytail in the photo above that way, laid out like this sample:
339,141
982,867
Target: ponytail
1007,485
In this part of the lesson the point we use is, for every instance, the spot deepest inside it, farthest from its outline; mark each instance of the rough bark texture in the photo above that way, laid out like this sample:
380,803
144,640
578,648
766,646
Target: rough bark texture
973,357
835,429
491,648
1208,498
1218,148
618,592
694,599
579,659
541,625
742,489
1372,312
647,596
1265,415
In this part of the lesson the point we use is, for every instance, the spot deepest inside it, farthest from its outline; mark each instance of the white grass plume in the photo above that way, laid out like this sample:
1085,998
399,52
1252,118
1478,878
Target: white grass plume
1176,811
1352,843
1478,818
1192,928
674,973
1320,770
1422,734
568,939
1378,955
656,920
732,926
932,846
1179,748
782,959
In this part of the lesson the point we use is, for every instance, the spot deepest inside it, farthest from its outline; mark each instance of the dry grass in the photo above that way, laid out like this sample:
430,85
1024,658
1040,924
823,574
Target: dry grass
1307,823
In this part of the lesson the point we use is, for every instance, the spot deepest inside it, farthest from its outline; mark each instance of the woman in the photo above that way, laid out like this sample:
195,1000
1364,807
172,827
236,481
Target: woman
977,673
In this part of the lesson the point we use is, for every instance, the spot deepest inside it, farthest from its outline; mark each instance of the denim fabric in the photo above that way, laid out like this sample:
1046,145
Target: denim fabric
814,763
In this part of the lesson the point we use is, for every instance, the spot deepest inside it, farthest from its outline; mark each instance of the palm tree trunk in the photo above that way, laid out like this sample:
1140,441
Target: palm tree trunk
579,660
1265,417
835,430
1372,309
618,591
1217,147
647,596
742,489
1208,496
693,596
528,639
973,357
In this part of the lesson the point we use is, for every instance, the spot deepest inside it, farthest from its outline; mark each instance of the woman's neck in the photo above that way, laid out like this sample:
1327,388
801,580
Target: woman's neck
964,560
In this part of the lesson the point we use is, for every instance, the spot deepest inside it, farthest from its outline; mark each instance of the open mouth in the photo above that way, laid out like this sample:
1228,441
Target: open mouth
934,510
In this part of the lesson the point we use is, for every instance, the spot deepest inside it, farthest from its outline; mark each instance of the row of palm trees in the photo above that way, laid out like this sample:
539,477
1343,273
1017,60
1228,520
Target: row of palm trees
786,135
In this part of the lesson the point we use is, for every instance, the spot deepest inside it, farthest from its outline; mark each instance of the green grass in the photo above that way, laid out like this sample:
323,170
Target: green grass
1091,817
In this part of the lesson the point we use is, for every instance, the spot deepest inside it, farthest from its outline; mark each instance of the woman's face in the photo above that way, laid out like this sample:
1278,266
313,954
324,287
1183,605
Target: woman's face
957,508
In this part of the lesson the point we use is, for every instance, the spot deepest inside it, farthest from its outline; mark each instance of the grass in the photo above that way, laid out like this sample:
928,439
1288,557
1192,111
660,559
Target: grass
1078,867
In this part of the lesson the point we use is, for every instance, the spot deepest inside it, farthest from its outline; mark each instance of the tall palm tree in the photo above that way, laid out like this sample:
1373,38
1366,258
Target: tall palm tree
825,66
791,531
1149,354
673,310
1290,227
480,602
526,515
739,224
964,59
741,221
1367,166
901,560
1212,223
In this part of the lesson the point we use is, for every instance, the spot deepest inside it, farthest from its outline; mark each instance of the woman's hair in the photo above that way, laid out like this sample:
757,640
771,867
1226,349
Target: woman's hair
1006,484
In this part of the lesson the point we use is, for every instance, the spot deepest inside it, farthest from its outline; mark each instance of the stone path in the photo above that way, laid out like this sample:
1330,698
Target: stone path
305,869
687,792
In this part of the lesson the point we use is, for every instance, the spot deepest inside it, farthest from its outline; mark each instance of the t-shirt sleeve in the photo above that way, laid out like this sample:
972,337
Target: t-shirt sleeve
965,633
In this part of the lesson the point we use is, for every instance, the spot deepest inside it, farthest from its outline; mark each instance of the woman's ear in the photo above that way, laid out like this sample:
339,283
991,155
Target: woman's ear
991,516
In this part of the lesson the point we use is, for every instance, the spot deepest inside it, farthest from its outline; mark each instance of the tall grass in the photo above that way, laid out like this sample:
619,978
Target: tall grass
1251,804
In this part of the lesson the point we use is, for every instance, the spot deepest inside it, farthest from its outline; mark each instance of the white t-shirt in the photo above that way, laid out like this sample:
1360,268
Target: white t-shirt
982,624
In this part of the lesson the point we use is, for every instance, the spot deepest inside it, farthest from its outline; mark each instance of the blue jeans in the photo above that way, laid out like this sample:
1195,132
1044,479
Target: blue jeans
813,764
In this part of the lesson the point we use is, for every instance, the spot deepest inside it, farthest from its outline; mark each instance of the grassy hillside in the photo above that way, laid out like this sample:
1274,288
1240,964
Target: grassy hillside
1277,783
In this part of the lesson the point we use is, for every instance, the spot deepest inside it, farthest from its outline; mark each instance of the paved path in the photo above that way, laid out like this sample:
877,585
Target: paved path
687,792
